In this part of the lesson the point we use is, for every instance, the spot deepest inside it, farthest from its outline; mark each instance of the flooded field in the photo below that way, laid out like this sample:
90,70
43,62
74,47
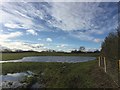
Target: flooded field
69,59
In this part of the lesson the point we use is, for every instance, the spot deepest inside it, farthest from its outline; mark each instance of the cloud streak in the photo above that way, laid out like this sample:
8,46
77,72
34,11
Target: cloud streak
23,46
83,21
4,37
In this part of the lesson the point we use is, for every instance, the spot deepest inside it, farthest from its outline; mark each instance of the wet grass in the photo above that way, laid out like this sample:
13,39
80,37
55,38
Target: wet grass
64,75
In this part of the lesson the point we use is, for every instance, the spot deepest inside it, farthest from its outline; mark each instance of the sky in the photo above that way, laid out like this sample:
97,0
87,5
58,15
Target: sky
60,26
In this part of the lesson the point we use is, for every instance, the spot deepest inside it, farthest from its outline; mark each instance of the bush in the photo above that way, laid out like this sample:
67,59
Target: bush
110,46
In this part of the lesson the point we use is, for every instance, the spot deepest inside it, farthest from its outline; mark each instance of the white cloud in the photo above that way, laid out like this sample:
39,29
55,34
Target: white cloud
82,36
23,46
74,16
97,40
4,37
19,15
11,19
62,46
25,1
92,49
33,32
86,37
1,31
12,25
49,39
38,45
68,17
87,16
99,32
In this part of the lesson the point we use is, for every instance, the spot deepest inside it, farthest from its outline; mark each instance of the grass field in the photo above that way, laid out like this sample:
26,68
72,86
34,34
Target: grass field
63,75
60,75
13,56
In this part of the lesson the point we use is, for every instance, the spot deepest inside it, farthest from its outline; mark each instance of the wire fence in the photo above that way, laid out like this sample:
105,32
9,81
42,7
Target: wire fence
111,67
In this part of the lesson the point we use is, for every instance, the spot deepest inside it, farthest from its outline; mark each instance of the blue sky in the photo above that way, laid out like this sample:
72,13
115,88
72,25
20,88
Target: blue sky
56,25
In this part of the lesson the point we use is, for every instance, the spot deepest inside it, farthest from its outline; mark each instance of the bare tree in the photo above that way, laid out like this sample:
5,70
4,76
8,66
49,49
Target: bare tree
82,49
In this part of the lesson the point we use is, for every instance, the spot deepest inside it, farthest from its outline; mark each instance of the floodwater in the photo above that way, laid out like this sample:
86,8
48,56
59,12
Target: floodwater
13,80
69,59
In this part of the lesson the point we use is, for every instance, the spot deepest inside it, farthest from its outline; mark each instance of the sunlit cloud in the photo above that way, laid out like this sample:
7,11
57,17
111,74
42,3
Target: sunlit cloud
97,40
11,25
4,37
33,32
49,40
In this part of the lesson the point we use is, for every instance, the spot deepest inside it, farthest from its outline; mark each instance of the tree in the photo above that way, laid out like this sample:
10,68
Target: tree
118,32
96,51
74,51
82,49
110,46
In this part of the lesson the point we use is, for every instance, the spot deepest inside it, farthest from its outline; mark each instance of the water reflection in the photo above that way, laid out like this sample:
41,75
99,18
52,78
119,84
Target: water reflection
69,59
14,80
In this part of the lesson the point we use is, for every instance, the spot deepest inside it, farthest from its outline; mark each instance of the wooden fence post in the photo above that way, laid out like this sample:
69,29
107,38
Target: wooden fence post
105,64
99,61
119,65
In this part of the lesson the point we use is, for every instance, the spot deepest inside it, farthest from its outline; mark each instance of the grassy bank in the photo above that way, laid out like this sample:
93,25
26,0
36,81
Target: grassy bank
64,75
13,56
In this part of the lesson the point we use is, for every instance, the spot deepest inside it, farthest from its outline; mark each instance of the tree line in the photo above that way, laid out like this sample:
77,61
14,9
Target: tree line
110,46
82,50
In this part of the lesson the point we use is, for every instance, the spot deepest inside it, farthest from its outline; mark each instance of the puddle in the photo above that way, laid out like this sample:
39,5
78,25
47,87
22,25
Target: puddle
14,80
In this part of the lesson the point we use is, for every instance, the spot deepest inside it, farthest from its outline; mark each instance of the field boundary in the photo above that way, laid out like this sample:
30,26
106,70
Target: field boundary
102,63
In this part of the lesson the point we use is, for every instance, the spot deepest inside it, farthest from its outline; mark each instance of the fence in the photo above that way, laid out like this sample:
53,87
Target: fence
111,67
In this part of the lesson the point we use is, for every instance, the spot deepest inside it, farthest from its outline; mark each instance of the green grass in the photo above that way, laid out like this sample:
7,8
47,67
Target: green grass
13,56
59,75
63,75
